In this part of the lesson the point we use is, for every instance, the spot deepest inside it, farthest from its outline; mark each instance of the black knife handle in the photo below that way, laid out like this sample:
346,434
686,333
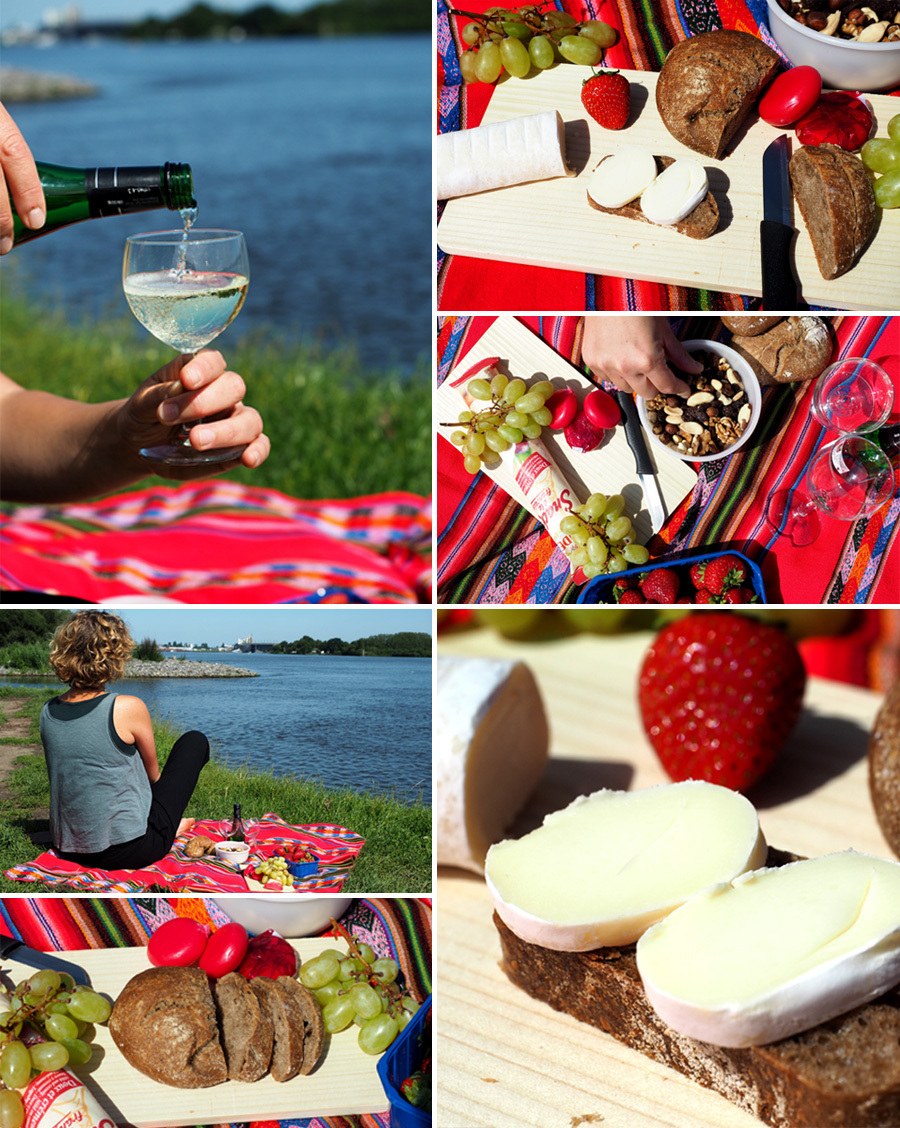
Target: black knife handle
634,433
779,287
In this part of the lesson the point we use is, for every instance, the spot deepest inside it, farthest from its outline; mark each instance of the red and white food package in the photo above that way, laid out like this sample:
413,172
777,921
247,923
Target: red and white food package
59,1100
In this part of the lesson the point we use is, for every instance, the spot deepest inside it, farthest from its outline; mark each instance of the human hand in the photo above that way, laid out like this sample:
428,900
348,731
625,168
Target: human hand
633,352
19,177
183,391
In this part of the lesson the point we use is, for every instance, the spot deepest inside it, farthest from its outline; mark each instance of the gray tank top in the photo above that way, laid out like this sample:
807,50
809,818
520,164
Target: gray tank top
99,791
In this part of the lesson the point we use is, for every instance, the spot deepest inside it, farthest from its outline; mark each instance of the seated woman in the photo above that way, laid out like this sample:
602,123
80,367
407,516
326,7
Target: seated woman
110,805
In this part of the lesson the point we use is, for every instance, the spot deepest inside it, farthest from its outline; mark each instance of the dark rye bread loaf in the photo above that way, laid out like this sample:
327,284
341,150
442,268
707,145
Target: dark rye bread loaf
884,768
709,84
837,202
699,224
842,1074
797,348
246,1028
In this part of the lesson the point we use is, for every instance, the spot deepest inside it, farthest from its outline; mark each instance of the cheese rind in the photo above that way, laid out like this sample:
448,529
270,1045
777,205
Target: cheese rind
776,951
609,865
622,177
675,192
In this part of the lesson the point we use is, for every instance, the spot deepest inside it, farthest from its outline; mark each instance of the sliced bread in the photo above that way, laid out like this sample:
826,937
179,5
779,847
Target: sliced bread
287,1026
246,1028
700,224
307,1006
884,767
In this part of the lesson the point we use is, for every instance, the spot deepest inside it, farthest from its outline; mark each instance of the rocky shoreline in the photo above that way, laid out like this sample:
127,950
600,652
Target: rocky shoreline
18,85
168,668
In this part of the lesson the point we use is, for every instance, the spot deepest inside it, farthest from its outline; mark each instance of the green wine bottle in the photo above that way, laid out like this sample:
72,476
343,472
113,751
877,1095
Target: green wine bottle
74,194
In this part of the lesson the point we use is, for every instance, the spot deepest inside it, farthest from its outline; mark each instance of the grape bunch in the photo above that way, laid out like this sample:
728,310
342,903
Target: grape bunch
48,1006
355,987
518,39
882,155
514,412
274,869
605,537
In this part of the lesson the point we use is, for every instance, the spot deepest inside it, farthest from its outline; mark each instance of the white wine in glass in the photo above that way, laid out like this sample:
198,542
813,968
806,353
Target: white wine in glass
186,287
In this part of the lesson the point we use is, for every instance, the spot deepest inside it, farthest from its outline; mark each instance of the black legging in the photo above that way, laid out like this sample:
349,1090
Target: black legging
171,794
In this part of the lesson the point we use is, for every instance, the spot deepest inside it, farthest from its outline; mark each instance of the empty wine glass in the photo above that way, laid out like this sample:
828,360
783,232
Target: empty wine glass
186,287
854,395
849,478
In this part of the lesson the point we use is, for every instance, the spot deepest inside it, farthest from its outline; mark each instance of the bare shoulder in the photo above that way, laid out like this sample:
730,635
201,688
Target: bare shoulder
128,708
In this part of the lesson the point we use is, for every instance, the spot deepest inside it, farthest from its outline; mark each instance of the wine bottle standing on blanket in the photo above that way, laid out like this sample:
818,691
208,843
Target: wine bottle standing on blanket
238,832
74,194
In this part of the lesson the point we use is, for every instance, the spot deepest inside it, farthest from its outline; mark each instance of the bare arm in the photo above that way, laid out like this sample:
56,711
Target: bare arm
131,718
633,352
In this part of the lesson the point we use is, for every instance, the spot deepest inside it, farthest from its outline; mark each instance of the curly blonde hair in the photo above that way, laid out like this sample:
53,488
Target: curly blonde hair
90,649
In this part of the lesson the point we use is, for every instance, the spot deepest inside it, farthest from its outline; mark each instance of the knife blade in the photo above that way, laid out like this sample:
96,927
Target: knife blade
12,949
643,460
776,232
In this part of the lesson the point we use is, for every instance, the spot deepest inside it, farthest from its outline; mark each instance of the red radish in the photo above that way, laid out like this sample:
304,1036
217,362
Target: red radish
790,96
478,366
602,409
563,404
177,943
225,950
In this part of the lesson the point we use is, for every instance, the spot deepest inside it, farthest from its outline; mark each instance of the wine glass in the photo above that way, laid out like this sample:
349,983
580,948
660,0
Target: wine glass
185,287
849,478
853,395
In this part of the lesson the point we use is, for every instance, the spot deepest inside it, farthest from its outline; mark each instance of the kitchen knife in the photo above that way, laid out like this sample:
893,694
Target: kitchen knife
643,462
12,949
776,233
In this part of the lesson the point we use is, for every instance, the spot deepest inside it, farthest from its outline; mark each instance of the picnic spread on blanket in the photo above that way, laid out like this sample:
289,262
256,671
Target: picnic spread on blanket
525,221
501,541
334,848
107,940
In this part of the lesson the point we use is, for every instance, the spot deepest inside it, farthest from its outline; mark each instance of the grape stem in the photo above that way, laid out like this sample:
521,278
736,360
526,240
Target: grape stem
393,993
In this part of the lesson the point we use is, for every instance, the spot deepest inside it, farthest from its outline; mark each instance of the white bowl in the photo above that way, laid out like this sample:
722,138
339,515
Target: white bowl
842,63
751,388
290,914
234,852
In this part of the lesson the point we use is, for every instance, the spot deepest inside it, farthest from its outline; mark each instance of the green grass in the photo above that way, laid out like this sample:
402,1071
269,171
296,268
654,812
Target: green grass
336,430
395,859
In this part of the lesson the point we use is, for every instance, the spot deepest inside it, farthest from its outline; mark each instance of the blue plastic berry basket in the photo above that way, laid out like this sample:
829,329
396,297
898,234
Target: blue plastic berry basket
396,1064
302,869
600,589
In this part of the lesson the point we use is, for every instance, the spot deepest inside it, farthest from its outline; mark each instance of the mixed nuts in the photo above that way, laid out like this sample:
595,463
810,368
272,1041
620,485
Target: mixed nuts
708,421
875,22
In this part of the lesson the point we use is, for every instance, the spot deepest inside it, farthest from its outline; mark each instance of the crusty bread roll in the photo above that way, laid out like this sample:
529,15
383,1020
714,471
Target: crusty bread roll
748,324
797,348
709,84
699,224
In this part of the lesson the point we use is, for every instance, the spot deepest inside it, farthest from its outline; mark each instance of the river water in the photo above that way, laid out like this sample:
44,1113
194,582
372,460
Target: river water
318,149
362,723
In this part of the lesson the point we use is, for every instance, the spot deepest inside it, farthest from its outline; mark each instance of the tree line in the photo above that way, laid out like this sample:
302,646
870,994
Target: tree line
405,644
336,17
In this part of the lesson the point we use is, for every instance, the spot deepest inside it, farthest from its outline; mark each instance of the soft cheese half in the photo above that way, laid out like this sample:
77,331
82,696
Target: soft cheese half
609,865
777,951
622,177
675,192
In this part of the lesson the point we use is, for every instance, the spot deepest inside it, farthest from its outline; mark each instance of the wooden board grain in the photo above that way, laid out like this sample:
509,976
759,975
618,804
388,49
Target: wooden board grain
608,469
344,1083
549,223
508,1061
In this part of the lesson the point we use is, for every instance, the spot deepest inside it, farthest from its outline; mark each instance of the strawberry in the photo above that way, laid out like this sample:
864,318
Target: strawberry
740,595
704,596
696,574
720,573
719,694
631,595
624,583
607,98
660,585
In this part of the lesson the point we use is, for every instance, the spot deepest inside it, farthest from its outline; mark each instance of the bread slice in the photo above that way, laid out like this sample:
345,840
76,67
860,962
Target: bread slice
308,1007
844,1073
246,1029
884,767
837,202
287,1024
164,1022
797,348
699,224
709,84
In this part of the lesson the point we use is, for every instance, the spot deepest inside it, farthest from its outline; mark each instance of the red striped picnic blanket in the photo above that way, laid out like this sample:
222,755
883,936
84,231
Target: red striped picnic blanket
490,550
335,848
221,542
647,31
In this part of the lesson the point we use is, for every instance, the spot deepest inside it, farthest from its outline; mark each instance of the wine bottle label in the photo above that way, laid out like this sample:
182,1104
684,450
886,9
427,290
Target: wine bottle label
116,191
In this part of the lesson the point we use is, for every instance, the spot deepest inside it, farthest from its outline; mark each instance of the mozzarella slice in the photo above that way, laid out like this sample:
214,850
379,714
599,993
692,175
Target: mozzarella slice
622,177
605,868
675,192
777,951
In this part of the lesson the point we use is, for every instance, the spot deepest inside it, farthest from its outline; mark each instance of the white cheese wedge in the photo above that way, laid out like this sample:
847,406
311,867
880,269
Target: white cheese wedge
490,749
601,871
622,177
777,951
675,192
495,156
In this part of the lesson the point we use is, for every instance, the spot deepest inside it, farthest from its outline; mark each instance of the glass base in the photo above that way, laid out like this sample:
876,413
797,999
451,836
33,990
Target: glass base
793,515
178,453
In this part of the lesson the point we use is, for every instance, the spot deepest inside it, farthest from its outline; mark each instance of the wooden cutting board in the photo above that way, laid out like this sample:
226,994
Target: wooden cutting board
345,1082
549,223
509,1061
608,469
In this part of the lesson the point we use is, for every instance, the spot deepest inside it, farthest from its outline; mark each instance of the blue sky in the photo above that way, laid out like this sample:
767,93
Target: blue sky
30,11
271,624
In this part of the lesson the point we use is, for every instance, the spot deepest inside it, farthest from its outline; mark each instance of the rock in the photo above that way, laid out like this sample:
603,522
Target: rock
31,86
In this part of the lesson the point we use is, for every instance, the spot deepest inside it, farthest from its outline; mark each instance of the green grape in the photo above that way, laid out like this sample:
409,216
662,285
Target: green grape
471,33
601,33
636,554
541,51
403,1019
514,56
316,973
385,970
578,49
593,570
66,981
542,388
887,190
366,954
410,1004
47,1056
377,1034
516,418
328,992
511,434
472,463
488,65
44,982
338,1014
332,953
613,507
465,417
87,1006
487,423
458,438
543,416
597,550
490,459
12,1111
467,66
79,1051
366,1001
893,128
580,556
571,523
881,155
616,563
15,1065
518,30
529,402
559,19
479,389
495,441
594,506
498,384
532,430
513,623
514,389
618,528
60,1027
57,1006
475,443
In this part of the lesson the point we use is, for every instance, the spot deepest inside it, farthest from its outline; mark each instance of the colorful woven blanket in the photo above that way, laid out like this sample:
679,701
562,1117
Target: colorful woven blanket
221,542
400,929
490,550
335,848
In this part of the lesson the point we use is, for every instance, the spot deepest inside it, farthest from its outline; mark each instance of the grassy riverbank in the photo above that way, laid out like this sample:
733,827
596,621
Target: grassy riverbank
395,859
336,430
